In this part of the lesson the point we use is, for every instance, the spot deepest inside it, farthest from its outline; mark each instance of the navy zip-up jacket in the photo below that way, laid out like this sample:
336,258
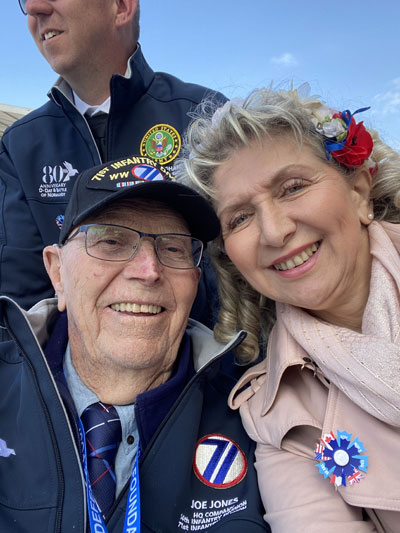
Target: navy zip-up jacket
42,487
41,154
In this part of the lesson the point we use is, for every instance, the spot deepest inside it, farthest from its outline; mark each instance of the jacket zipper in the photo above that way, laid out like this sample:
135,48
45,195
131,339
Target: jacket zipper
86,122
240,337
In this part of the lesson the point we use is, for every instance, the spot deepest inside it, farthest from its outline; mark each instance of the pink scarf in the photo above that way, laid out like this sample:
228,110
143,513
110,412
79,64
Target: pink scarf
364,366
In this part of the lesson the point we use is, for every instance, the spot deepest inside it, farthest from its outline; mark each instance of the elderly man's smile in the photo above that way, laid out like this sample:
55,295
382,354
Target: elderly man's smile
127,307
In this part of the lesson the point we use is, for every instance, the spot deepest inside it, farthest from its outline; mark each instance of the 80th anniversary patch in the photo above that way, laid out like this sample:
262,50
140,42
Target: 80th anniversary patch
162,143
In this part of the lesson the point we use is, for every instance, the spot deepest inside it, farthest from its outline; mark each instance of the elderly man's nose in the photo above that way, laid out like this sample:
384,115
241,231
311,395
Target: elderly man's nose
144,264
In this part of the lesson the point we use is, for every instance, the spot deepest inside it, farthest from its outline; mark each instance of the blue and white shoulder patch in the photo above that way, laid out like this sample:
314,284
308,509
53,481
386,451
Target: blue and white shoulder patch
219,462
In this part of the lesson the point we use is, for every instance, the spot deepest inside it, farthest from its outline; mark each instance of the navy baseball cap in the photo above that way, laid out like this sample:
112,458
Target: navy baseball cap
137,177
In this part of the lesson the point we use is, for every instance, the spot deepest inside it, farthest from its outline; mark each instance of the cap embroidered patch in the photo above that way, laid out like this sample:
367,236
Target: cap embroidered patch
162,143
128,172
4,451
219,462
147,173
341,459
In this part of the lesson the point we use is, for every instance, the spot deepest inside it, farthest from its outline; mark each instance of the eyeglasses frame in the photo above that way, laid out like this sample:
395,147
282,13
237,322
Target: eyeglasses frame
84,228
22,3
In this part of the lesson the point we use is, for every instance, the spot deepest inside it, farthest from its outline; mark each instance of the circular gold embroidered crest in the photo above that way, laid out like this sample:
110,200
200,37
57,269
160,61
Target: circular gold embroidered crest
162,143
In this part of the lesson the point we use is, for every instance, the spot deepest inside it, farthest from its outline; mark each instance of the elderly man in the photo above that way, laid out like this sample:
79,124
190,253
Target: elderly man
107,103
112,405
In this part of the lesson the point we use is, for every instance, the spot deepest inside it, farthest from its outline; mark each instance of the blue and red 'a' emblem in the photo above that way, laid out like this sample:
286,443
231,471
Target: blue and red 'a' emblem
219,462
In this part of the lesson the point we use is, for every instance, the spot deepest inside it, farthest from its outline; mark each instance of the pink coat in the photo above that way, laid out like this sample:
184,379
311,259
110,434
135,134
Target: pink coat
291,402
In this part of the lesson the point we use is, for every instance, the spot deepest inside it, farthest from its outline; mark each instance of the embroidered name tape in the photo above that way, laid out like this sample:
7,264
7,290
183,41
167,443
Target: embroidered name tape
219,462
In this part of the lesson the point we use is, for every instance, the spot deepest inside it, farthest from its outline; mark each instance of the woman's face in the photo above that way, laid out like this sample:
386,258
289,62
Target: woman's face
295,228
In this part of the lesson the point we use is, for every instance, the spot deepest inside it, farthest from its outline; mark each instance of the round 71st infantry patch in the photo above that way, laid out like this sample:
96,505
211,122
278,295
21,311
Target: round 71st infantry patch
219,462
162,143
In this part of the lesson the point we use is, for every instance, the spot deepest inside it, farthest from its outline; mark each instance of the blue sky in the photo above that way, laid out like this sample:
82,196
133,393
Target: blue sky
348,51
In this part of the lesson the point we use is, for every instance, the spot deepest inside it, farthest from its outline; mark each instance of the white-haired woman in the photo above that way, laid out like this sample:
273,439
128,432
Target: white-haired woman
308,201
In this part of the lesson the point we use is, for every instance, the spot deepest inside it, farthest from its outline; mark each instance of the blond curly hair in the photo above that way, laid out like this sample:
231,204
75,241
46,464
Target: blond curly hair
217,133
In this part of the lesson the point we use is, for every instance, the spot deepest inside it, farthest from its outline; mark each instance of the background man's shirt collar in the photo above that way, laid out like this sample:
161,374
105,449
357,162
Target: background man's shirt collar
91,110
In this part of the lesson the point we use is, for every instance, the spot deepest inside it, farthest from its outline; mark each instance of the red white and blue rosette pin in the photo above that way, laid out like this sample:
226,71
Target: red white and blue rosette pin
340,458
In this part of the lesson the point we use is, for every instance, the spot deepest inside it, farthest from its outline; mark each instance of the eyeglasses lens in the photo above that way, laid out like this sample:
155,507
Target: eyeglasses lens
115,243
111,243
178,251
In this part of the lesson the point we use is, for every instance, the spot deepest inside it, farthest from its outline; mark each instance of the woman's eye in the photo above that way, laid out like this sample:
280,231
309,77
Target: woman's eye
238,220
293,186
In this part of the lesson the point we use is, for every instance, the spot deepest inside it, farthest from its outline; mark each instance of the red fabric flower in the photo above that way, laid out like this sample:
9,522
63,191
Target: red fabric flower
358,145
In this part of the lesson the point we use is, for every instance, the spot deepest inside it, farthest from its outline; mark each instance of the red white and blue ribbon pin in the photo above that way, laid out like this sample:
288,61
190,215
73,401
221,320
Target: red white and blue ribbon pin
340,458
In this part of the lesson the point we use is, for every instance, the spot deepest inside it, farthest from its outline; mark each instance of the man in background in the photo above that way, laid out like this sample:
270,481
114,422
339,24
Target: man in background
107,103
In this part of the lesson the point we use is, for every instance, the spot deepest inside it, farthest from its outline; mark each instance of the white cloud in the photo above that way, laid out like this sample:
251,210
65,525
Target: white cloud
389,101
287,59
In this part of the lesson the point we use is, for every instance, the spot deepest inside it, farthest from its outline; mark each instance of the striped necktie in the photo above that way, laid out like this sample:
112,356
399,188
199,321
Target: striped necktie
103,437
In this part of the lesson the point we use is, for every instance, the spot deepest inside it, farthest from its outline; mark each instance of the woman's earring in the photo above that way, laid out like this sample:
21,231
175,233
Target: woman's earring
370,216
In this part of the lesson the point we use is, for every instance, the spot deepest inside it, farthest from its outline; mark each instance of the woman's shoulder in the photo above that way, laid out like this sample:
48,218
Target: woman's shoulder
271,410
248,385
260,383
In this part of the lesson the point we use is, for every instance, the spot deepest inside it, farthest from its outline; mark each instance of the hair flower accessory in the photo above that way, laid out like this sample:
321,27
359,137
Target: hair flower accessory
346,140
340,458
322,119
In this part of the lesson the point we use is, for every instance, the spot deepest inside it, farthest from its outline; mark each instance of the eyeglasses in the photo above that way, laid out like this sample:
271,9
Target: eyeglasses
110,242
22,5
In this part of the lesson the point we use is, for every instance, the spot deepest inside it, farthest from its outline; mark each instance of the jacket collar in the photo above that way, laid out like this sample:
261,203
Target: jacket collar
282,353
205,348
138,77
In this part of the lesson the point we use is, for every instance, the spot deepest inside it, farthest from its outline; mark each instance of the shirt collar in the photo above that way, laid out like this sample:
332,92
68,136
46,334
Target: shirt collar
83,397
81,394
91,110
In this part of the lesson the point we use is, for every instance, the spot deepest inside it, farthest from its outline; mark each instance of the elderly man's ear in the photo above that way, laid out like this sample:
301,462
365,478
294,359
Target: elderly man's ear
52,262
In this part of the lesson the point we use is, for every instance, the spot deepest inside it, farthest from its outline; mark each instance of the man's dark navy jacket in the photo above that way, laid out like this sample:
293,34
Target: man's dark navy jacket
41,154
41,483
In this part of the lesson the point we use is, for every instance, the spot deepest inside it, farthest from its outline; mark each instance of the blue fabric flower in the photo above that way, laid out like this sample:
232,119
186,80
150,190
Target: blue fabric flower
340,458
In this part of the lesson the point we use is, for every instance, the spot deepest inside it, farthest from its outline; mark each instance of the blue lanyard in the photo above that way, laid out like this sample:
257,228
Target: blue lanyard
132,513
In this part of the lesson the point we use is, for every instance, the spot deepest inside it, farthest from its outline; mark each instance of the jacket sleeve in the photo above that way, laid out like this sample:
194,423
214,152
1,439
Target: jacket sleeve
22,273
295,496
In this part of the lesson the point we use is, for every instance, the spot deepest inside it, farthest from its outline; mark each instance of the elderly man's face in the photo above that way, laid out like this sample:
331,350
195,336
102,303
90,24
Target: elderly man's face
103,337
